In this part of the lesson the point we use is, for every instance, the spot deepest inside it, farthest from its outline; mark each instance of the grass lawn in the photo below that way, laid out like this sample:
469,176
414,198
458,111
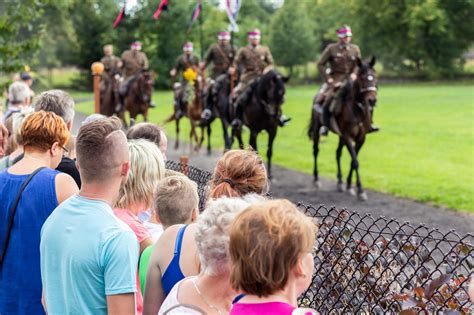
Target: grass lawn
425,150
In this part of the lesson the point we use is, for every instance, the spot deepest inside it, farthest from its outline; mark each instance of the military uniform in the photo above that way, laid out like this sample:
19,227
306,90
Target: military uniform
342,60
221,57
111,67
183,62
133,62
251,62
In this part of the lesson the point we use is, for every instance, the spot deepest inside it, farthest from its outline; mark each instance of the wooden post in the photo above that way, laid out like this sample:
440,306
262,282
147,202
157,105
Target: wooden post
184,160
96,93
97,69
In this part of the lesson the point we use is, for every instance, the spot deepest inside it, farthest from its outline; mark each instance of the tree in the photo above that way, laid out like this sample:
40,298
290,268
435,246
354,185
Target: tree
291,41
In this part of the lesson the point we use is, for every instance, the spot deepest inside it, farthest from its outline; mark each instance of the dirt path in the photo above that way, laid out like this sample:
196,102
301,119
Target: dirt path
298,186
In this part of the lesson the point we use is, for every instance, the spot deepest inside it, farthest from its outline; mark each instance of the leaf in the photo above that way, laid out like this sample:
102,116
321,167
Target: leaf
435,284
408,312
419,292
400,297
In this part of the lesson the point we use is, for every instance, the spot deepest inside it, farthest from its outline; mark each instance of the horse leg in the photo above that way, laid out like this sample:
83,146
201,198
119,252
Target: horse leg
176,144
340,185
227,139
360,191
253,140
209,151
271,137
315,137
354,165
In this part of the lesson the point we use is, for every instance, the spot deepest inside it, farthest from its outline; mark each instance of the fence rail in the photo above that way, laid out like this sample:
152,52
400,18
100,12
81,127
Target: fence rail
365,264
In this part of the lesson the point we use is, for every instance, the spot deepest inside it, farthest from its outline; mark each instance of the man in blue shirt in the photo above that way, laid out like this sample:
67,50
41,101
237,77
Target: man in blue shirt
89,257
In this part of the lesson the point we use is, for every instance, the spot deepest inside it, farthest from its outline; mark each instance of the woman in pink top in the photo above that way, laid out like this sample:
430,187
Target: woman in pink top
147,168
270,250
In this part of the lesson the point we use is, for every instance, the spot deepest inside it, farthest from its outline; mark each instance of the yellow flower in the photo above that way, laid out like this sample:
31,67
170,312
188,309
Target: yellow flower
190,75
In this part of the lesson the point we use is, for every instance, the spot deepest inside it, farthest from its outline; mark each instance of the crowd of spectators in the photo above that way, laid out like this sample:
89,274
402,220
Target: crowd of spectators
95,223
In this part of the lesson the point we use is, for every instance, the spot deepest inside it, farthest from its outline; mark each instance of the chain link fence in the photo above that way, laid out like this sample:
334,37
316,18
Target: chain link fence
374,265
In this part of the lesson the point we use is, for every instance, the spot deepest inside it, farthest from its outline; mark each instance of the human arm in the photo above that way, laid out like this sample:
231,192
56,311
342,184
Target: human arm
65,187
207,59
355,68
119,260
154,294
121,304
145,243
323,59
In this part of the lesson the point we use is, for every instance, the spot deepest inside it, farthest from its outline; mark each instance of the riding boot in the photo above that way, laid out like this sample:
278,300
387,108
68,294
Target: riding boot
151,104
326,121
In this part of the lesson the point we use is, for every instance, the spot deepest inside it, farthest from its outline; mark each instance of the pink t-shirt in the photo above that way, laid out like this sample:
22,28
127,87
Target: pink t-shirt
142,234
269,308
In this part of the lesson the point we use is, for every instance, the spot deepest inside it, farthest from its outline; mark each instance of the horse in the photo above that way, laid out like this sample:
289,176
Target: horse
108,95
193,112
218,96
358,100
138,97
262,111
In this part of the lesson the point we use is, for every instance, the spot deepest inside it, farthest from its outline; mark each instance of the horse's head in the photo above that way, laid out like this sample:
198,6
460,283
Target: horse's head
271,92
367,82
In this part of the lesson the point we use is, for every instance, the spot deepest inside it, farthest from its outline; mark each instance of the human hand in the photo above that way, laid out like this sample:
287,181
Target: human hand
330,80
353,76
173,72
231,70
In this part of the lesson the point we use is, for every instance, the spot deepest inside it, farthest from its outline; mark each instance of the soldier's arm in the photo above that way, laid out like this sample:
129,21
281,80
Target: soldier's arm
323,59
269,58
145,62
208,58
355,68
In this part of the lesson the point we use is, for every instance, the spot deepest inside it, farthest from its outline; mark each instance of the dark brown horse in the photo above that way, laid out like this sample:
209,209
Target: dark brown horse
263,110
109,94
358,99
139,96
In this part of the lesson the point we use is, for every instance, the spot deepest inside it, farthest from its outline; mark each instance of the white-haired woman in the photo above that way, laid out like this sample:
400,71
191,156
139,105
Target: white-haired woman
147,168
210,292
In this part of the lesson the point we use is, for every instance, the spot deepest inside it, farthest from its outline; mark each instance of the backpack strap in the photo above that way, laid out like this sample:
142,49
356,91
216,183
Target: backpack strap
13,212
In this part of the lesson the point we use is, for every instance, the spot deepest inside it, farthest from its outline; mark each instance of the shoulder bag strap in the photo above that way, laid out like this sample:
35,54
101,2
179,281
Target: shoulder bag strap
13,211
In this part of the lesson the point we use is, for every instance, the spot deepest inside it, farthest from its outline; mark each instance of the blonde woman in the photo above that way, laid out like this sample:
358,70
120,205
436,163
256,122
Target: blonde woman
147,168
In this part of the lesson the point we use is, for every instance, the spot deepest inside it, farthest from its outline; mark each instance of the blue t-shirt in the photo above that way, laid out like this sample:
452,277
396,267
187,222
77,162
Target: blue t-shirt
20,278
86,254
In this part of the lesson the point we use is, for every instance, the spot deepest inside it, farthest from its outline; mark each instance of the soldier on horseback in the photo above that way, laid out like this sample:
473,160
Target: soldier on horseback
112,65
221,55
134,61
185,62
342,58
252,61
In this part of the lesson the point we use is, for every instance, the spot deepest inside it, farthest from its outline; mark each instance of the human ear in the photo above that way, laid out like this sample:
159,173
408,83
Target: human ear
194,215
125,169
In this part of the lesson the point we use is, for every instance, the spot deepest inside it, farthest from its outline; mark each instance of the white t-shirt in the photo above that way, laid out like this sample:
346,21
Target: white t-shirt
172,306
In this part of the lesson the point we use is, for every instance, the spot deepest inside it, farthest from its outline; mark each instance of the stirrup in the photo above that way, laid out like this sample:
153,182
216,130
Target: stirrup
206,114
118,107
152,105
284,120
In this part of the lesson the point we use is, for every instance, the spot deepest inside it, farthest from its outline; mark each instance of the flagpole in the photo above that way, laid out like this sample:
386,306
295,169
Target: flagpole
200,31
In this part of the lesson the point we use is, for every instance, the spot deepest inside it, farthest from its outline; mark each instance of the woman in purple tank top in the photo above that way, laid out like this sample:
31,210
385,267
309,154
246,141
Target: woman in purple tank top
271,246
44,136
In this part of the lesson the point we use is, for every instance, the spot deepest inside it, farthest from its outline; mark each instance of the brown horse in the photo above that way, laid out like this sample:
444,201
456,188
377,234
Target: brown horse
138,98
109,94
193,112
358,99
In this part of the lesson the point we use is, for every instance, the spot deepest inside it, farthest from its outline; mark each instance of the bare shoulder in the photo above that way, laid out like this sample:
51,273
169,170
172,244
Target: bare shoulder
65,187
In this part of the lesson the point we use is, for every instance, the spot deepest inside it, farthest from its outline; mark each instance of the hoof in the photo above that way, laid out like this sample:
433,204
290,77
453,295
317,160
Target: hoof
341,188
317,184
209,152
351,191
362,196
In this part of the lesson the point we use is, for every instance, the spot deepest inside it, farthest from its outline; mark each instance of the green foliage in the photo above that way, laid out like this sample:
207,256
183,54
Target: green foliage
291,40
19,33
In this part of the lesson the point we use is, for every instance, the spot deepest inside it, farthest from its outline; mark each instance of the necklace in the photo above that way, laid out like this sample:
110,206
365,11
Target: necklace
203,299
